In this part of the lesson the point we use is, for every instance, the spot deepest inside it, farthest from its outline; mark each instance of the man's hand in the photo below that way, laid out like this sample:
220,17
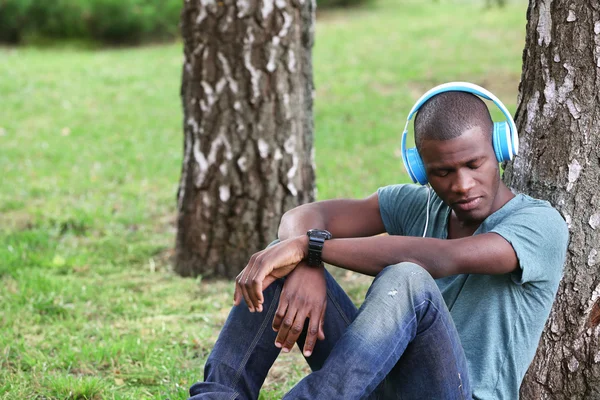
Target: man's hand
304,295
265,267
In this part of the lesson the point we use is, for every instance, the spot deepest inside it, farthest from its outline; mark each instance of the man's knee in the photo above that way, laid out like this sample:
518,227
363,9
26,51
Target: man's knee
407,273
405,270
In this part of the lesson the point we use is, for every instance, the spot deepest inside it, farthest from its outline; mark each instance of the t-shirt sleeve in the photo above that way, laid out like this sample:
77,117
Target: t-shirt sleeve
401,206
539,237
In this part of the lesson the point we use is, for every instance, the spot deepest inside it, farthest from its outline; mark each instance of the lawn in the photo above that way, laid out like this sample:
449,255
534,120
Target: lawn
90,156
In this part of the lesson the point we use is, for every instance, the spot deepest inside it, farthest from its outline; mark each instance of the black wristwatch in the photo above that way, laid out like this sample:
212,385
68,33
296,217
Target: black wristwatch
316,240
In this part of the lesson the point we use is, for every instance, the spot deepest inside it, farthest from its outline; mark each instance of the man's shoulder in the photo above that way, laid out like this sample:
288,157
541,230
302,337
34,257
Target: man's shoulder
526,206
525,200
402,206
526,216
403,189
539,236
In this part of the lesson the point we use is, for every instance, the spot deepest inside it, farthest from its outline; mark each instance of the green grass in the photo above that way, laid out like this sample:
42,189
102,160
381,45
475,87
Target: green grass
90,156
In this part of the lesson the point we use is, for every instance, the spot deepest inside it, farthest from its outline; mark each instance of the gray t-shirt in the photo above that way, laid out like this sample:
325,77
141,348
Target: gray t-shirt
499,318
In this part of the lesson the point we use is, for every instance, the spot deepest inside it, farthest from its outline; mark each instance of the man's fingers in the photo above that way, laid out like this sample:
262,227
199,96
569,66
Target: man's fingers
280,313
267,282
286,326
237,295
295,331
260,274
321,335
250,285
243,278
243,290
256,286
313,331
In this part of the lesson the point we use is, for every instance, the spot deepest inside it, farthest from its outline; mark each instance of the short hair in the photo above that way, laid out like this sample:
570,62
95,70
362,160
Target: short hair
448,115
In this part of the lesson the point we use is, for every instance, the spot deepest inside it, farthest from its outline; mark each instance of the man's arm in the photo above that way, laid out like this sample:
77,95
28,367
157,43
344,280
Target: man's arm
487,253
343,218
366,253
304,291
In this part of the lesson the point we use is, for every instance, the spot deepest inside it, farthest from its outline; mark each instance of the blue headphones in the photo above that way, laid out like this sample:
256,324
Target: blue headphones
505,138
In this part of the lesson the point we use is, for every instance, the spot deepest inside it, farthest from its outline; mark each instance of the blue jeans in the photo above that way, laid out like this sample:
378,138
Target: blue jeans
400,344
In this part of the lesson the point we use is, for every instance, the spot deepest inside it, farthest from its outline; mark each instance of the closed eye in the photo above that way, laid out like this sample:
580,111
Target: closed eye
441,172
474,164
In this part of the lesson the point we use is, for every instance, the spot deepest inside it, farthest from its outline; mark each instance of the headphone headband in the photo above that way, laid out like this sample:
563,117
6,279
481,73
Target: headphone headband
507,147
469,88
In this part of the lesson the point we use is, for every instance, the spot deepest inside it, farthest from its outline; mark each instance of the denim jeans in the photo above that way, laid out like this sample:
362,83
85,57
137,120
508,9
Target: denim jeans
400,344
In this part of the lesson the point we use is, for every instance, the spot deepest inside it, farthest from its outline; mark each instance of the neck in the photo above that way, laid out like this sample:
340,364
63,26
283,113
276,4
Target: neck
458,229
503,196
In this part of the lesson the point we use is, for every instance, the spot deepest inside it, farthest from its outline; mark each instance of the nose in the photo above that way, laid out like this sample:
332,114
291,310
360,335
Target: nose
463,182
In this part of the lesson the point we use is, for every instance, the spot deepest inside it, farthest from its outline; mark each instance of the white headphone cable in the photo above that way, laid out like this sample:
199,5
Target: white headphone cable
427,210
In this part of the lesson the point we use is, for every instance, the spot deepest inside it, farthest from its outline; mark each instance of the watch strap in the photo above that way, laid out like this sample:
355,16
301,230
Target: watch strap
316,240
315,248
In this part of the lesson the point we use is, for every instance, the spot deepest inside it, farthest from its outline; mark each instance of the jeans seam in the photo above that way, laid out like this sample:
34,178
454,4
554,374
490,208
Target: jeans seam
338,308
402,332
257,337
460,391
415,317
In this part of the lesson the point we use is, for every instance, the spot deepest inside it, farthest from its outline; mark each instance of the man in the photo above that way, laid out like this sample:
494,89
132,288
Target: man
457,314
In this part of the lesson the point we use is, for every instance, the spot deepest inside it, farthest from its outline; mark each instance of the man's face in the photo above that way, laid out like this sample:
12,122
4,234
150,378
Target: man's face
464,172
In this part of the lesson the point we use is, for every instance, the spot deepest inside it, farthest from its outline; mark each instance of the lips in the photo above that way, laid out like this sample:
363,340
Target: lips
468,204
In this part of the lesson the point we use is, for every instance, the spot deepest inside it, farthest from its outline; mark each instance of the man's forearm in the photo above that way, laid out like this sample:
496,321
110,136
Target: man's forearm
369,255
298,221
487,253
372,254
342,217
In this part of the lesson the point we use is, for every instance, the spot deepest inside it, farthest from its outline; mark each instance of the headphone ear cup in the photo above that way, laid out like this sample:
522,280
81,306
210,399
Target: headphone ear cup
502,142
415,166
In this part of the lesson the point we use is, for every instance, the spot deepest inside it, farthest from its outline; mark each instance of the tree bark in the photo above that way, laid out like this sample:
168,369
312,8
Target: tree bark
247,94
558,116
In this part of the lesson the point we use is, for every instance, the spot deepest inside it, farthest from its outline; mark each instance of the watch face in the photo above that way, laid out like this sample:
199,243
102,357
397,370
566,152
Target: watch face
319,233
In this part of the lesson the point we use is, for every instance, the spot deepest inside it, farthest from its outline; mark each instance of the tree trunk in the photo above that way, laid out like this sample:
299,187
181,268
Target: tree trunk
558,116
247,93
